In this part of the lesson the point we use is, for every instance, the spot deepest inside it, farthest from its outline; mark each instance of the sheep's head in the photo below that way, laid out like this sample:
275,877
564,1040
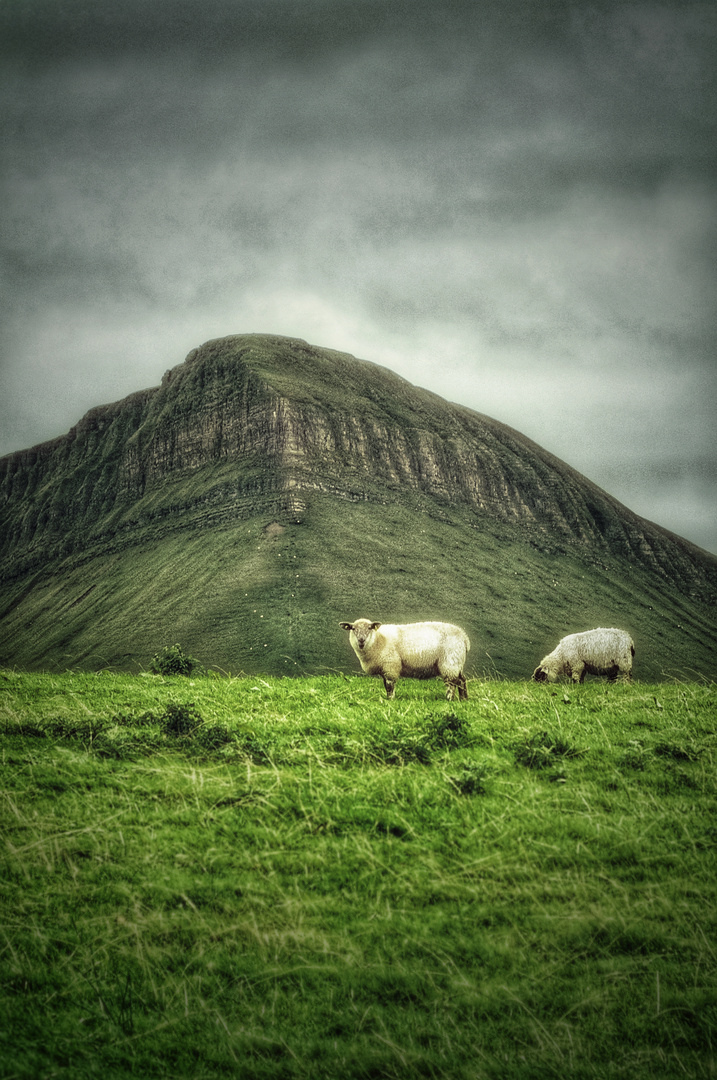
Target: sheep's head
362,631
540,674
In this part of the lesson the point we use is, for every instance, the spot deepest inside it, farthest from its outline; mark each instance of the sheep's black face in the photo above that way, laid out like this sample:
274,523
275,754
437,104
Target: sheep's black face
540,675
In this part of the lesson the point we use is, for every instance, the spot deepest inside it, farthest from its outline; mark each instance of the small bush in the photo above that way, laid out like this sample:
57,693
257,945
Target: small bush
173,661
181,719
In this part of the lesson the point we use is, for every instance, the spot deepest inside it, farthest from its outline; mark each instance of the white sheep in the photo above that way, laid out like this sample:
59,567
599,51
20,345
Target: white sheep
599,652
413,650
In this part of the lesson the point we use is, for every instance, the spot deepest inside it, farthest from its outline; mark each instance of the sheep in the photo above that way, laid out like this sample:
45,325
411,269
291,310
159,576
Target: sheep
599,652
413,650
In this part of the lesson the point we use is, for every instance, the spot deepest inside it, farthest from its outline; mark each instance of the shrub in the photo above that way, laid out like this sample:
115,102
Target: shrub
173,661
181,719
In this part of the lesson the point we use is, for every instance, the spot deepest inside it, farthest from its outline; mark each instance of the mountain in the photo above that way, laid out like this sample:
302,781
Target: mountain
268,489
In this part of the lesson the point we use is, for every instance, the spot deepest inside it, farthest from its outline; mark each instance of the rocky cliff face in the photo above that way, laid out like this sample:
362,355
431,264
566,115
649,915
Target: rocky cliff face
255,422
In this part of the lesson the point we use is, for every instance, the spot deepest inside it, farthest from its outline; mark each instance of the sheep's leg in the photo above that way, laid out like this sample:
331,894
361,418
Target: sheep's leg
462,687
578,672
390,685
450,689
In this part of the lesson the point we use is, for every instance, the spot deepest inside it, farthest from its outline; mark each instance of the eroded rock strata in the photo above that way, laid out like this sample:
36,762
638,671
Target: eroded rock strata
256,422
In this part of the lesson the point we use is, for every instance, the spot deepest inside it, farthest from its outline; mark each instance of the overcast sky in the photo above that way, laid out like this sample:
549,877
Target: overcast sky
511,204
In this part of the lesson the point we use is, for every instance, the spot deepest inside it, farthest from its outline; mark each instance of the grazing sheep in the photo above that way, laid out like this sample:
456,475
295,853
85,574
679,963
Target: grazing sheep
599,652
415,650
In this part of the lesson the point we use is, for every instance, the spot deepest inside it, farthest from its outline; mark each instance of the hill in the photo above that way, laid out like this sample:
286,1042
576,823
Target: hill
267,489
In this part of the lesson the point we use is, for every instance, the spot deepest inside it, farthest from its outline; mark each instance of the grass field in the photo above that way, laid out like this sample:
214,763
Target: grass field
295,878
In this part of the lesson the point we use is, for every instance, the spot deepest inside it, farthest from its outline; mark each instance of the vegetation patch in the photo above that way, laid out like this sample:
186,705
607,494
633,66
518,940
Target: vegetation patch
542,750
181,719
294,878
173,661
447,731
470,780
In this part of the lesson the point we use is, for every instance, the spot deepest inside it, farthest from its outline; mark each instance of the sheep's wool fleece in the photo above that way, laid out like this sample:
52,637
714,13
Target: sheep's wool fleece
600,648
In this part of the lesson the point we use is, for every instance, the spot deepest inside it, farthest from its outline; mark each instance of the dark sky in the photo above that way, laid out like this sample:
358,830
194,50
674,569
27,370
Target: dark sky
511,204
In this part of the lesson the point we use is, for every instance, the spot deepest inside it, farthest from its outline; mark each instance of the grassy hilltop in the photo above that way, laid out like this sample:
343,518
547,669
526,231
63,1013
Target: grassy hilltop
294,878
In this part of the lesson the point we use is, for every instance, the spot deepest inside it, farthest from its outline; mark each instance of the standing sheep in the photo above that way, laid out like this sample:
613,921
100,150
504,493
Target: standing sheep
599,652
413,650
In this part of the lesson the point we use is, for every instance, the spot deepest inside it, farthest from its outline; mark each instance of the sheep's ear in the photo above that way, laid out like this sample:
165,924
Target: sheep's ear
346,625
374,626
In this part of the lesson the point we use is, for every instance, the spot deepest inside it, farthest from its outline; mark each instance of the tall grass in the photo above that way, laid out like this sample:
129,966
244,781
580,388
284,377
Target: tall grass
297,878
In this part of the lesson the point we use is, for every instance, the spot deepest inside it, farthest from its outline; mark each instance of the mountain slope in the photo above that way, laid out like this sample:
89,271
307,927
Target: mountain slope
269,488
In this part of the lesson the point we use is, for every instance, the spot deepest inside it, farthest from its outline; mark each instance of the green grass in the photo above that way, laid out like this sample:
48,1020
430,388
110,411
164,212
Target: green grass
294,878
257,596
